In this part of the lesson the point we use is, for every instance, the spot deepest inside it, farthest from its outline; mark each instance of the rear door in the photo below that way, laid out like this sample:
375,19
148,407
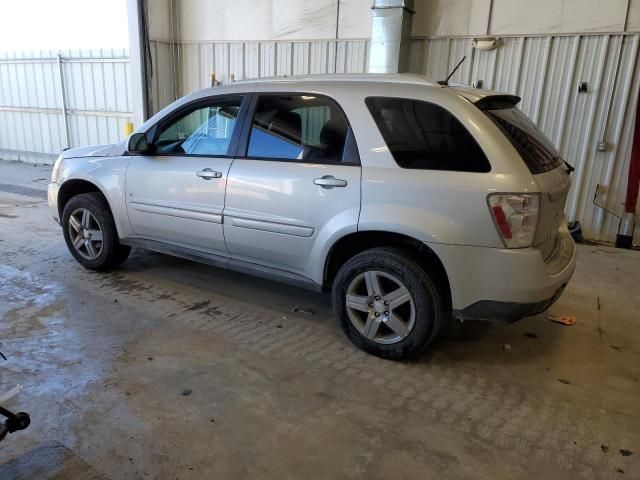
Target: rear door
176,195
295,183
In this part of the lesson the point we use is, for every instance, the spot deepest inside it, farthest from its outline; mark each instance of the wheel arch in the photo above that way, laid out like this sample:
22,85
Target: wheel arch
354,243
77,186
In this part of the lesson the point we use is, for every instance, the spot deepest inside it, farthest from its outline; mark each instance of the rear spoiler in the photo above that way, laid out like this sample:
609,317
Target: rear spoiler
497,102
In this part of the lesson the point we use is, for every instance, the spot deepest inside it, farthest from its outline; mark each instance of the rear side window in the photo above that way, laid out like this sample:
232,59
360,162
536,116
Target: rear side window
425,136
306,128
534,147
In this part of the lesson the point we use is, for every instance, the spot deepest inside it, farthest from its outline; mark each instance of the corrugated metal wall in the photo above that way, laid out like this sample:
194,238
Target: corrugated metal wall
96,94
546,72
193,63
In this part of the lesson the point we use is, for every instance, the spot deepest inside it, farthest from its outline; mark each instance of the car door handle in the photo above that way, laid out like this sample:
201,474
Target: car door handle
208,174
329,181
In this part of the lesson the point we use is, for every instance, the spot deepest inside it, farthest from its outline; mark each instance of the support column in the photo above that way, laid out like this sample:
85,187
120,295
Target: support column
63,99
138,62
390,36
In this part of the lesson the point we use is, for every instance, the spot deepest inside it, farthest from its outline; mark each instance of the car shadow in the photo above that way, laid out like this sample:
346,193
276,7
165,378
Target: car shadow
476,341
239,286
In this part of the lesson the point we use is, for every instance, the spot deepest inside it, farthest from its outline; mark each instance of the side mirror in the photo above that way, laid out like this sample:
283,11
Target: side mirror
138,143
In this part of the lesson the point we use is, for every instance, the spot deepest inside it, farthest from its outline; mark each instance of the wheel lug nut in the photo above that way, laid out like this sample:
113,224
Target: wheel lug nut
386,303
386,314
377,298
377,314
371,304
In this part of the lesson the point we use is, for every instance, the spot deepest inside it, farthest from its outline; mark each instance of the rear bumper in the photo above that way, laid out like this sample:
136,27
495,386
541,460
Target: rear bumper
506,311
506,284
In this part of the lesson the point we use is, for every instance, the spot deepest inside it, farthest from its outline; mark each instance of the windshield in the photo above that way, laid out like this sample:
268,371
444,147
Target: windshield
537,151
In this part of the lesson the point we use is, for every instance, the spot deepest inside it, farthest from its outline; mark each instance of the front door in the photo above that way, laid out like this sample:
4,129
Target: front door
296,184
176,195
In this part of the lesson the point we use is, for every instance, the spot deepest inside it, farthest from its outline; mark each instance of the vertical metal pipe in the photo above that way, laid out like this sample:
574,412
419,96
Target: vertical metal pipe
390,36
626,16
489,17
338,20
63,96
335,59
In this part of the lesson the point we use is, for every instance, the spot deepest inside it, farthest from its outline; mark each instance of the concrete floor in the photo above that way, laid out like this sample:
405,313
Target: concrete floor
105,358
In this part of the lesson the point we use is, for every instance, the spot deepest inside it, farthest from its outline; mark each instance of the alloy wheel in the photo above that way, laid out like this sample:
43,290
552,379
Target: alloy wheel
380,307
85,233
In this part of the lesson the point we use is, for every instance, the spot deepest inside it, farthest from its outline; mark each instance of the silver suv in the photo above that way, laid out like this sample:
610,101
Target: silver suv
417,205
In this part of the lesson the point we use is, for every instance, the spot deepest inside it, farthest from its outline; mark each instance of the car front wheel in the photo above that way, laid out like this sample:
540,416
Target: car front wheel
386,303
90,232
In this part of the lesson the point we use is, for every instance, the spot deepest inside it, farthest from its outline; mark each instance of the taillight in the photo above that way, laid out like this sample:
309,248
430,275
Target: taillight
516,217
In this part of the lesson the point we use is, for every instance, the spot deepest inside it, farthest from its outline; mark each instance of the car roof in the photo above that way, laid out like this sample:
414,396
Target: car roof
402,78
411,80
473,95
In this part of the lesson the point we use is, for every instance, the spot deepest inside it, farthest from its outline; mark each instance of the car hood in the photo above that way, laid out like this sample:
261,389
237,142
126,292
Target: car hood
110,150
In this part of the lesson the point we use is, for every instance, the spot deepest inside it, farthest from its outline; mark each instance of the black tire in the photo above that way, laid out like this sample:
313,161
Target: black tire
427,301
112,253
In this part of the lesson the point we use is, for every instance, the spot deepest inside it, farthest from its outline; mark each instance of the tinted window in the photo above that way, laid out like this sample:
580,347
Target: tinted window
534,147
206,130
421,135
298,127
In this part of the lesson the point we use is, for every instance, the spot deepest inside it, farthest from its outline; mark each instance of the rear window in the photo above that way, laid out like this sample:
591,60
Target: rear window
534,147
425,136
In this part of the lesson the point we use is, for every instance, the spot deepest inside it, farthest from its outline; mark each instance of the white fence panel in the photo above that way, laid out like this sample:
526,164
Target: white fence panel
37,120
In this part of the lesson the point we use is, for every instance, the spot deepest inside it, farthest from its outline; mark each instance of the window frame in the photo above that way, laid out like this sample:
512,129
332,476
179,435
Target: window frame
374,97
154,132
350,145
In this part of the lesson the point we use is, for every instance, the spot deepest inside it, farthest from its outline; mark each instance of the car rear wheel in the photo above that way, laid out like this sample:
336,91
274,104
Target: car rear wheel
386,303
90,233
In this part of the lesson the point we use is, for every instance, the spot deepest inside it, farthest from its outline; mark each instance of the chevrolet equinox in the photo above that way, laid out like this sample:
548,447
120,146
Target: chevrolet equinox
417,205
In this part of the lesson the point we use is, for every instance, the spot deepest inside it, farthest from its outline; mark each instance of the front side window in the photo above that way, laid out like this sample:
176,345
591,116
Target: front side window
422,135
307,128
206,130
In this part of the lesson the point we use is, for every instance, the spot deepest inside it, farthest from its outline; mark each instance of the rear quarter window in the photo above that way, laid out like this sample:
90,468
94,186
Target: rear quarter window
424,136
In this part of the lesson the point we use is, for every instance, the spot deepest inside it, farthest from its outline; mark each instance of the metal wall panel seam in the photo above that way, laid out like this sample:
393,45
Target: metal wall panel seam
611,96
540,97
573,68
